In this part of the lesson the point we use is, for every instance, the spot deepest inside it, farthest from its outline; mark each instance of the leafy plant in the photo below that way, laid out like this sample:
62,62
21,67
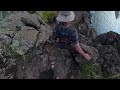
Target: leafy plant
48,16
88,71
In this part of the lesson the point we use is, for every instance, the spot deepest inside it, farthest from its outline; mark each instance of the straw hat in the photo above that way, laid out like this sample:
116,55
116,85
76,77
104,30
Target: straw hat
65,16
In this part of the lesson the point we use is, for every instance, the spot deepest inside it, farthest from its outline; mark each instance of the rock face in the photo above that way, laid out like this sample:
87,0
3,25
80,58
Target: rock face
24,40
65,67
83,23
110,38
23,33
109,61
25,52
8,60
108,47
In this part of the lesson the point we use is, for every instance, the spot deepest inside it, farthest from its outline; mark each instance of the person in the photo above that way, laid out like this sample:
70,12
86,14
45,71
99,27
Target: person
66,34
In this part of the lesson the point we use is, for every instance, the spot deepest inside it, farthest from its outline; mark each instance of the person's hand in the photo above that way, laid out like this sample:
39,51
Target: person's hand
87,57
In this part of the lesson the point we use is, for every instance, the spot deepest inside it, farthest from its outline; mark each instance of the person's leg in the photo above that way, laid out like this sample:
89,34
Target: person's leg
74,68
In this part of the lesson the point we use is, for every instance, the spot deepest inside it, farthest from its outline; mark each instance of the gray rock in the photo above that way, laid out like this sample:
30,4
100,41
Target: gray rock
7,64
63,63
109,60
13,22
85,40
24,40
6,35
25,28
44,35
34,65
91,51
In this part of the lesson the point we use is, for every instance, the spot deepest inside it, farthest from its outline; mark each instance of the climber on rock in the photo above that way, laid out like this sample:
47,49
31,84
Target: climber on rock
67,35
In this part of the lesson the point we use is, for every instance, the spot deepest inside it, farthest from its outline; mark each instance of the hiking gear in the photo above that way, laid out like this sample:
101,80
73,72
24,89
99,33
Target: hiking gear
65,16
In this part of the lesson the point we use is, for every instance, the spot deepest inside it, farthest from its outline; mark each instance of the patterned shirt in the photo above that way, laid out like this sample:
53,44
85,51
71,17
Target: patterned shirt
65,36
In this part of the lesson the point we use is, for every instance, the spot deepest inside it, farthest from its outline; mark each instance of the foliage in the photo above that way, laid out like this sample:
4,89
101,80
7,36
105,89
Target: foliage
89,71
9,51
49,16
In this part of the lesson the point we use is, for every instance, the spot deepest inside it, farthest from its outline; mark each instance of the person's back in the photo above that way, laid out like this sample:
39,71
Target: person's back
65,33
66,36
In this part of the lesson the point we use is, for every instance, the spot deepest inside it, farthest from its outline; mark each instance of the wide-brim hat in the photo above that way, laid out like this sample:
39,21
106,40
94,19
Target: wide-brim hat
65,16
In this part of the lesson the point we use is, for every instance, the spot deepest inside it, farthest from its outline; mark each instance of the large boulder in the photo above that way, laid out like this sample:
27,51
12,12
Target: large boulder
22,31
65,67
85,40
35,63
83,23
8,60
24,40
109,60
25,34
109,38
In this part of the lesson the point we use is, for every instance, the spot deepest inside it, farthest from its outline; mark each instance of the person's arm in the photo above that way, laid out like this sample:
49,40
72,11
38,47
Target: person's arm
77,47
80,50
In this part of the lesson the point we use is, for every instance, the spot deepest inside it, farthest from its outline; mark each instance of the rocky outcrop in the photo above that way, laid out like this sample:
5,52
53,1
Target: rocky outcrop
25,52
83,23
109,61
8,58
108,46
109,38
23,33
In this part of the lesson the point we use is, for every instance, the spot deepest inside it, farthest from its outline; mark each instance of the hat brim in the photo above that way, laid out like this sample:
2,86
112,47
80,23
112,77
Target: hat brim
61,18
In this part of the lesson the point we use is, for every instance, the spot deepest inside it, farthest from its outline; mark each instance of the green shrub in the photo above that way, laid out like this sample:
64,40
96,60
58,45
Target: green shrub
49,16
88,71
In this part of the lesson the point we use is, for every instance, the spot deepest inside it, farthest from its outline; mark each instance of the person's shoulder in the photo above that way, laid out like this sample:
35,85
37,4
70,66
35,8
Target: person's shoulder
57,26
72,29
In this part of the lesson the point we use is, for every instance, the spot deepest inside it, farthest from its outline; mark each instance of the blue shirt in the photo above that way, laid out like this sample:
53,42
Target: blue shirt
65,36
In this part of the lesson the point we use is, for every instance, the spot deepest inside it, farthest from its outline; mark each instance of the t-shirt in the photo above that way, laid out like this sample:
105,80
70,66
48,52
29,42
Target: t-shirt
65,36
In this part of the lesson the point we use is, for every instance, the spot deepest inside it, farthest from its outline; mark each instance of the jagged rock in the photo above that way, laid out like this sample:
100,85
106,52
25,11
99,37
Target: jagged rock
38,16
78,17
83,24
6,35
44,35
65,67
109,38
13,22
20,36
16,20
7,62
84,40
5,39
24,40
34,64
25,28
109,60
31,21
